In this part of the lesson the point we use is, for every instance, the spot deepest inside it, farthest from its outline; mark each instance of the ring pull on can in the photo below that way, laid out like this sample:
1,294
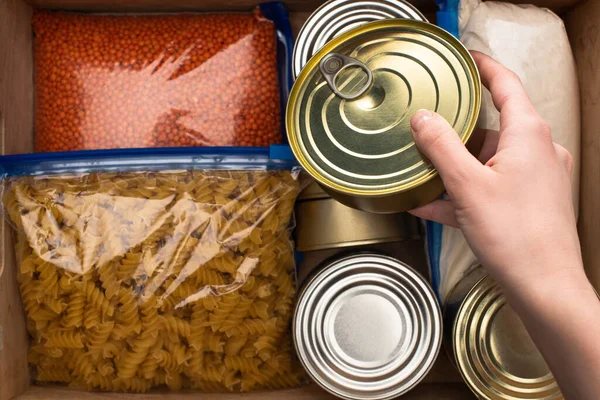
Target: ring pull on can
332,67
362,151
336,17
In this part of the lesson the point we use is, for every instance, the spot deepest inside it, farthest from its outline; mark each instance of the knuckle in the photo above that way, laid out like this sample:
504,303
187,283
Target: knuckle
506,74
561,151
429,213
513,76
568,161
431,138
565,157
544,127
569,157
459,183
530,121
536,123
434,134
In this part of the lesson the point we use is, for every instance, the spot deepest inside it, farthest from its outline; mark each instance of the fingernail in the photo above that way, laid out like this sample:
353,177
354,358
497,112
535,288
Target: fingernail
420,117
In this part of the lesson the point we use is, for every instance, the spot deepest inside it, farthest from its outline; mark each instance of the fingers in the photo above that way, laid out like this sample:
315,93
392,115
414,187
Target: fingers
565,158
508,93
441,211
436,139
490,146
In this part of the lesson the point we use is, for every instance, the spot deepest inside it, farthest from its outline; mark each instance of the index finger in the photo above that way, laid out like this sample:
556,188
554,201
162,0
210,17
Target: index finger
508,93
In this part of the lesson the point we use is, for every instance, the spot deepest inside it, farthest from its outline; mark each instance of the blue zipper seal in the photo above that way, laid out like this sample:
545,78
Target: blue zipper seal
447,16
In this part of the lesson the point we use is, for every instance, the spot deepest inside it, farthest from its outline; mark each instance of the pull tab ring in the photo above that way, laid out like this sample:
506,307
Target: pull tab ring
333,64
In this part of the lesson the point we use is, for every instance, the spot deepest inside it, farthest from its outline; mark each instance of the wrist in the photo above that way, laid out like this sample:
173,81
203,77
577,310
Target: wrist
552,285
538,265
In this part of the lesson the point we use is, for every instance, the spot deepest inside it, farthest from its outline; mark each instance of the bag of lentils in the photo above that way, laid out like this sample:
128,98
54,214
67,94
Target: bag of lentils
123,81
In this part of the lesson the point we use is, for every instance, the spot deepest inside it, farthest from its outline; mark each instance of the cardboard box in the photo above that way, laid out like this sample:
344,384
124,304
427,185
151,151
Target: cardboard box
582,18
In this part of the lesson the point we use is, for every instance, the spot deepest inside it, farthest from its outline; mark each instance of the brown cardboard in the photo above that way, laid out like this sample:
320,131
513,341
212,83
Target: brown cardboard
16,102
16,106
583,27
450,391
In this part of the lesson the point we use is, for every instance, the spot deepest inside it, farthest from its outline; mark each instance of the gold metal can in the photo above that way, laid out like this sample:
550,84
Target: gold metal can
348,115
489,345
326,224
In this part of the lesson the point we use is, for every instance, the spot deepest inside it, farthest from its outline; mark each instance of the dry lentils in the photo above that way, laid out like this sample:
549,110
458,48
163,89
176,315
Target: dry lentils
107,81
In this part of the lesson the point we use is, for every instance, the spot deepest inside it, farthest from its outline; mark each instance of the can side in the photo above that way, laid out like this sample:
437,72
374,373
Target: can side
326,224
392,203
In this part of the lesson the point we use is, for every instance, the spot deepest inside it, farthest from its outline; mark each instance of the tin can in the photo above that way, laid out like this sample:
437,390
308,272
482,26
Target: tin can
489,345
367,326
348,115
327,224
335,17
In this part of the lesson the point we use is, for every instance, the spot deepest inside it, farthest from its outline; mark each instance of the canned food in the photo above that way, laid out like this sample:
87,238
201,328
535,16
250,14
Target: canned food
367,326
338,16
348,115
490,346
327,224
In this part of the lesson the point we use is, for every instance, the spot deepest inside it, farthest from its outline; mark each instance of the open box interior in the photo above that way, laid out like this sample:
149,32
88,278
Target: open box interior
582,19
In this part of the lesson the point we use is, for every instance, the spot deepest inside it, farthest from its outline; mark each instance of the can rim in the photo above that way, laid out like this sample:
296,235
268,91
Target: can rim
313,64
470,300
436,314
453,292
316,12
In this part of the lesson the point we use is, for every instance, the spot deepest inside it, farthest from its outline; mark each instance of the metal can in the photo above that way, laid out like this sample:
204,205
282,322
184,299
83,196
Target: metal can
328,224
348,115
335,17
367,327
490,346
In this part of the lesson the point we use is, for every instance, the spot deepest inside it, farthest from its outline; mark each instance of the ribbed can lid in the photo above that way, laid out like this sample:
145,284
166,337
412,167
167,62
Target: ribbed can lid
348,115
367,327
494,351
338,16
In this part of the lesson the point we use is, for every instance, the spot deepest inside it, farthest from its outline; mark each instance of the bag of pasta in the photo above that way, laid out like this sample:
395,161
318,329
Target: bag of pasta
181,278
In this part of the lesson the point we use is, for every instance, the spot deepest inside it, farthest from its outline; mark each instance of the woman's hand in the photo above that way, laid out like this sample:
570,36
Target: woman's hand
514,204
514,207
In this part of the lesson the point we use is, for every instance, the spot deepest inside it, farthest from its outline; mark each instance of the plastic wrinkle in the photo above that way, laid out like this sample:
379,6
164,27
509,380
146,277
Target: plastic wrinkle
137,280
134,81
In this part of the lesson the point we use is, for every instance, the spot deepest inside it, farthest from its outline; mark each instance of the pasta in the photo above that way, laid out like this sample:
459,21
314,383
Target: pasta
132,281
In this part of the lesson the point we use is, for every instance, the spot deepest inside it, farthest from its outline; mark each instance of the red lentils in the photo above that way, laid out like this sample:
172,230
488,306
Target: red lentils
154,81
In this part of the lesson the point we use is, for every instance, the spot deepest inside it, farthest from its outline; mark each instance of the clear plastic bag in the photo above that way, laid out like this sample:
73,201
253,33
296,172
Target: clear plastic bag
131,81
136,280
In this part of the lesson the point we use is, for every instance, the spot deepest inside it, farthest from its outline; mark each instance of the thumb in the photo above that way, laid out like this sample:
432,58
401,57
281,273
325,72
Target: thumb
436,139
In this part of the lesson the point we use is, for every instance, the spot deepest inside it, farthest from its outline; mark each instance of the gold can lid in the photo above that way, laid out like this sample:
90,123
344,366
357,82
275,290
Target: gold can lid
494,352
348,115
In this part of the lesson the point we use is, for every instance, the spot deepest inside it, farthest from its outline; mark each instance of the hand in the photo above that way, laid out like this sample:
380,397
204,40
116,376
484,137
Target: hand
513,204
514,207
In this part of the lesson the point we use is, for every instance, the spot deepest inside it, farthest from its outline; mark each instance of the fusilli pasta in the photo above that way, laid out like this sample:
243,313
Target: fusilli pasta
138,280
